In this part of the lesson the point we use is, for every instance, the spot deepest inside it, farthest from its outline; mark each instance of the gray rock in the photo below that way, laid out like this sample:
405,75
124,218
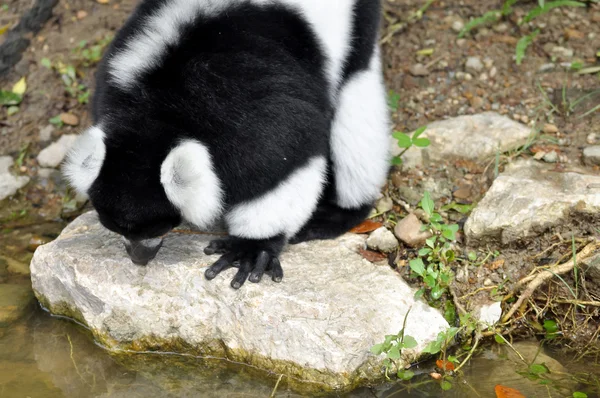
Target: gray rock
474,64
46,133
562,52
384,204
14,300
382,240
550,157
591,155
475,137
54,154
528,199
591,265
317,325
408,230
418,70
9,184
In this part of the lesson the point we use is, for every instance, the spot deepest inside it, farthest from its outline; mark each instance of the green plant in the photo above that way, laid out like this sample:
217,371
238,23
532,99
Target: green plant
90,55
432,263
494,16
406,142
392,346
393,100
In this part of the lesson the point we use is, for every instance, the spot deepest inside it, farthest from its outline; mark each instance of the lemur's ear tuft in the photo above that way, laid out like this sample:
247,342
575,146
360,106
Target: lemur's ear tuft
191,184
85,160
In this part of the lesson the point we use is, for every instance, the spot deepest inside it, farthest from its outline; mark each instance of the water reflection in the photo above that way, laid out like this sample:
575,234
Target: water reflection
42,356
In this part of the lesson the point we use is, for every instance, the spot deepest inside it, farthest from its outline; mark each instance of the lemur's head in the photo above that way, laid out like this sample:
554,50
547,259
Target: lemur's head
140,191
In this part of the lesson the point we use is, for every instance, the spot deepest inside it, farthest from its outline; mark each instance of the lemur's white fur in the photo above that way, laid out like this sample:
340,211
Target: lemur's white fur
359,138
331,20
283,210
191,184
85,159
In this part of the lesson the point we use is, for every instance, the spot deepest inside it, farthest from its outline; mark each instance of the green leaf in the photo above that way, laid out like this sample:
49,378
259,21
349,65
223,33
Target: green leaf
409,342
9,98
506,8
421,142
394,352
419,293
417,266
433,348
404,140
56,120
536,12
424,251
427,204
431,241
472,256
436,292
522,45
487,18
449,232
393,99
404,374
46,63
538,369
499,339
435,217
377,349
446,385
430,281
580,395
550,326
462,209
418,132
396,161
12,110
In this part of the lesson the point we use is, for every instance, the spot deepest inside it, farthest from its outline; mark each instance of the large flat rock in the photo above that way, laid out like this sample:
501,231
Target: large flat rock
528,199
316,326
475,137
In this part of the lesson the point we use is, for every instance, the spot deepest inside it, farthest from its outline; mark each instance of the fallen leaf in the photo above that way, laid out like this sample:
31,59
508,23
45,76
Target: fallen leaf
444,365
366,226
20,87
372,256
507,392
4,29
573,34
462,193
495,264
545,148
69,119
103,1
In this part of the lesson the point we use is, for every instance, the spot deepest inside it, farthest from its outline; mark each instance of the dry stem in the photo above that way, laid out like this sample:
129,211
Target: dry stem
547,274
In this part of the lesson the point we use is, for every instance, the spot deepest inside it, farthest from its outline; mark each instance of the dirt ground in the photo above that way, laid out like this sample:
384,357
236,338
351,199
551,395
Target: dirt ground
544,89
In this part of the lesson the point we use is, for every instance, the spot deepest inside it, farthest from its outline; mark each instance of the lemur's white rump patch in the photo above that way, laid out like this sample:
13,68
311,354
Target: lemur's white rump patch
85,159
331,20
360,137
190,182
283,210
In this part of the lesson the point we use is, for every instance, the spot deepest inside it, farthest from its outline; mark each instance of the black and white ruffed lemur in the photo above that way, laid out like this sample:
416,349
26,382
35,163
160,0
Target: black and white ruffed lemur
269,114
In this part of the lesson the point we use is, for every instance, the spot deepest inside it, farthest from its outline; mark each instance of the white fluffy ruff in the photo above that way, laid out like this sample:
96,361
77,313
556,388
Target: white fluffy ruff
85,159
285,209
190,182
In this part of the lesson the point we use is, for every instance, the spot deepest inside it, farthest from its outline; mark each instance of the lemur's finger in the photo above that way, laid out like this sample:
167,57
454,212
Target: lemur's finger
221,264
262,260
240,278
276,270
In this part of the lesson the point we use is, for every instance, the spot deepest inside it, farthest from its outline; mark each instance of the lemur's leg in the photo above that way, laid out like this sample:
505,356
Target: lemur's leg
359,155
260,228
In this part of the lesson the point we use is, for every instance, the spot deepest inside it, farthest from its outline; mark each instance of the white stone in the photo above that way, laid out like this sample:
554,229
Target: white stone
458,26
382,239
474,64
476,137
46,133
528,199
591,155
54,154
384,204
488,315
9,184
318,323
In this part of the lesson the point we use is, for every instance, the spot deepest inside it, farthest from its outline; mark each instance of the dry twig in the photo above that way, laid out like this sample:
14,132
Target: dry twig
547,274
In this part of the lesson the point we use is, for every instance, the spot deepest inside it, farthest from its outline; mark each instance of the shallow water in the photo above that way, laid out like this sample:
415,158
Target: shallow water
44,356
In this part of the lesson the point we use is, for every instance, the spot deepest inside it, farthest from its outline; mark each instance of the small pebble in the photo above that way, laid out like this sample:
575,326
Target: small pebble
69,119
418,70
474,64
458,26
551,157
592,138
493,72
550,128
